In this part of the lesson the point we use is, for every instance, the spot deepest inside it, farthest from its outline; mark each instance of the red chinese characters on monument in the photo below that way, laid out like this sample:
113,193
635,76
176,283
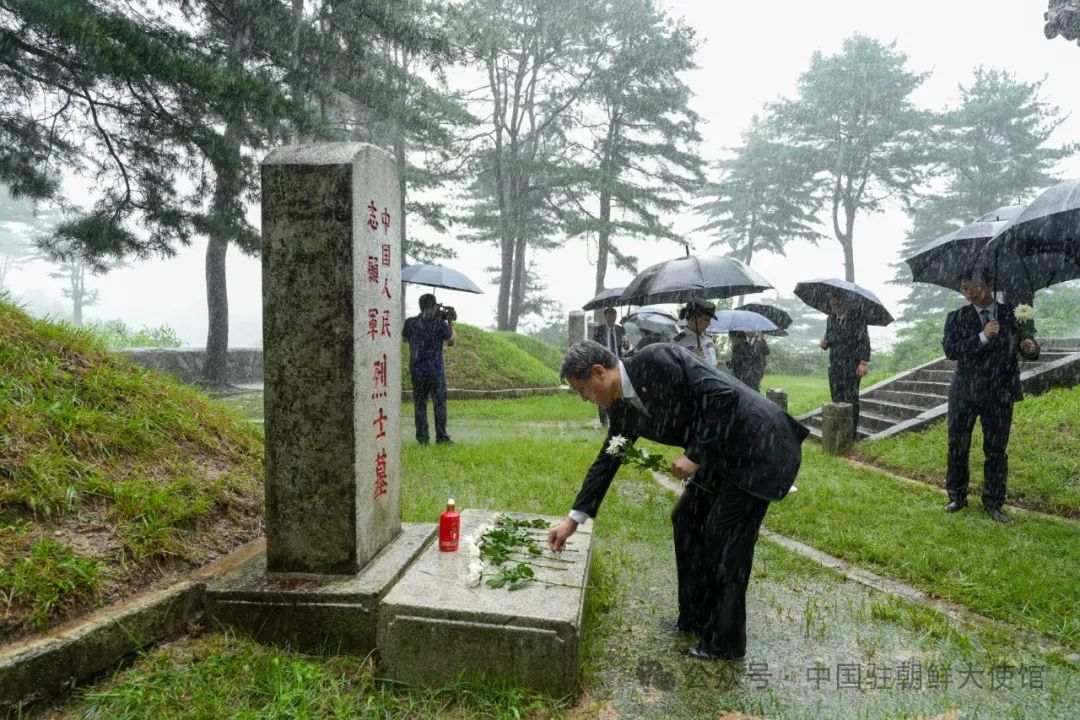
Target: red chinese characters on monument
380,474
379,378
379,326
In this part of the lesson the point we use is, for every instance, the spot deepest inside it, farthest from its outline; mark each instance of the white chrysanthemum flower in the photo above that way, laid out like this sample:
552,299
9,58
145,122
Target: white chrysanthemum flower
1024,313
615,445
472,550
476,571
480,533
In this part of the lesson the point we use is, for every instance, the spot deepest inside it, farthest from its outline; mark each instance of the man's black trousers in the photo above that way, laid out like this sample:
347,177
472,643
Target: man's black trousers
844,387
996,419
434,386
716,526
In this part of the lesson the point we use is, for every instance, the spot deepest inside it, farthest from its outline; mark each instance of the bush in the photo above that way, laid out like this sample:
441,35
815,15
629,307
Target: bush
117,335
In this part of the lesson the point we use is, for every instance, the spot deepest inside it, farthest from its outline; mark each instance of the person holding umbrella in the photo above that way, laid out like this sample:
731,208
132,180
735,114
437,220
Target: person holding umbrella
426,334
697,314
748,353
984,338
740,452
848,342
612,336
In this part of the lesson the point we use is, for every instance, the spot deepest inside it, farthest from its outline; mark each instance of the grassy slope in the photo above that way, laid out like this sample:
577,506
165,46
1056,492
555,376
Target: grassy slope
1044,453
110,475
487,360
550,355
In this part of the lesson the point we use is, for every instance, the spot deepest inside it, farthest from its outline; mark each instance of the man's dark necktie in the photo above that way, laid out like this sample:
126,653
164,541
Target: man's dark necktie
611,341
985,316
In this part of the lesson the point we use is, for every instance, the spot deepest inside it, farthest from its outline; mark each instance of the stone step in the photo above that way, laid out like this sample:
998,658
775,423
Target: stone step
893,410
871,422
892,395
928,375
921,386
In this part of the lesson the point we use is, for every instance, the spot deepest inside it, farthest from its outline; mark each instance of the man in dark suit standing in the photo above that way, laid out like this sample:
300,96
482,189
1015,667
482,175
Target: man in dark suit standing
748,357
848,342
741,450
985,339
612,336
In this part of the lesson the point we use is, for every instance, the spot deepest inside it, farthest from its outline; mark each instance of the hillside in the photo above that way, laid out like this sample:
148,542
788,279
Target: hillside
111,477
483,360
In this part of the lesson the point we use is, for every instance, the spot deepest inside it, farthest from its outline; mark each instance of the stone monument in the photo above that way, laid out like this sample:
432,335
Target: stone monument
332,354
836,428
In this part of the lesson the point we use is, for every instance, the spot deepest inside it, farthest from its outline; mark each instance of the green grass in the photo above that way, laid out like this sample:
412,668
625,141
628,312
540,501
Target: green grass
227,677
1026,574
88,440
551,356
48,578
809,392
800,614
482,360
1044,453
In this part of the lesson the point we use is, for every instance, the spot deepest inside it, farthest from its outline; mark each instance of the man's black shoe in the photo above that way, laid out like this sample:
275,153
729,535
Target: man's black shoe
670,626
444,441
699,653
955,505
997,515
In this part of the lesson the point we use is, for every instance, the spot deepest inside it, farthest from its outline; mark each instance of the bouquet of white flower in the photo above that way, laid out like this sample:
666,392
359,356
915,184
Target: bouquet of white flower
640,457
1025,316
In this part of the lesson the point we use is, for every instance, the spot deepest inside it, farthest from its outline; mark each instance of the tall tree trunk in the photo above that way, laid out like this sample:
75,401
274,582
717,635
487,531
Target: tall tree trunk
849,246
517,296
78,286
215,371
603,247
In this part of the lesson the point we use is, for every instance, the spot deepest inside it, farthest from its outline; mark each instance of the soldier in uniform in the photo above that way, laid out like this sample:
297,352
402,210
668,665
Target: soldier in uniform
697,314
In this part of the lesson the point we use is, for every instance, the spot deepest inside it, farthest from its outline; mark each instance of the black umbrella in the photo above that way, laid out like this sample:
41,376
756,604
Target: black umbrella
693,276
777,315
1040,247
816,293
950,258
606,298
438,276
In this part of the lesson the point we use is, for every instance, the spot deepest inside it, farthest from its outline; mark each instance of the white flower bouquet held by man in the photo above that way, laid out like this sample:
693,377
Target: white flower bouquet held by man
1025,317
639,457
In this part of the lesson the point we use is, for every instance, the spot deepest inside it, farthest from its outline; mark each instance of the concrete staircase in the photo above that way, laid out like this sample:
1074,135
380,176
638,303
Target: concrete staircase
916,398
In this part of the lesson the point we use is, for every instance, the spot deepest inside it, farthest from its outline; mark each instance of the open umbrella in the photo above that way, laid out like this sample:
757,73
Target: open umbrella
815,293
740,321
438,276
693,276
605,298
778,316
1039,247
946,260
653,319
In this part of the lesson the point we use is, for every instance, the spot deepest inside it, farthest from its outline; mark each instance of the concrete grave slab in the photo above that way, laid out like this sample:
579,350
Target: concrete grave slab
433,627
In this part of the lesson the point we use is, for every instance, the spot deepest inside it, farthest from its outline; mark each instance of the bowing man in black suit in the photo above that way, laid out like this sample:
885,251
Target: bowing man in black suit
984,338
741,450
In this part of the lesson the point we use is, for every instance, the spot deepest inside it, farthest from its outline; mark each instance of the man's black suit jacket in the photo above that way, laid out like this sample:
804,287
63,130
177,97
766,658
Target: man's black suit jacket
600,335
720,423
848,338
990,372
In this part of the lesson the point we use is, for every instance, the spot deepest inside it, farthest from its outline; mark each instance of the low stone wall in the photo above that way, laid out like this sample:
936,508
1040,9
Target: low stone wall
245,365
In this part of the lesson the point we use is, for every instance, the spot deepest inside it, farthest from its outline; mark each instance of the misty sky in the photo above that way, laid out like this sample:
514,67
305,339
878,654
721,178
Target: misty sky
750,53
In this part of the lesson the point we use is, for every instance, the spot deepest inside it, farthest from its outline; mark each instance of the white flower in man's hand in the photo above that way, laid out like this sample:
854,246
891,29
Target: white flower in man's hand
615,445
1024,313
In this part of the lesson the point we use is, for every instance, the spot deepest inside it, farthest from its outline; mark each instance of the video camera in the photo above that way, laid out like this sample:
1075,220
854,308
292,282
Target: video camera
445,312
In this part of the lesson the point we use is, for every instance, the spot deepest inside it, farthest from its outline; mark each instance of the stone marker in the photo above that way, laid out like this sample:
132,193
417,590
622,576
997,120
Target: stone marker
576,325
432,626
332,364
836,432
778,396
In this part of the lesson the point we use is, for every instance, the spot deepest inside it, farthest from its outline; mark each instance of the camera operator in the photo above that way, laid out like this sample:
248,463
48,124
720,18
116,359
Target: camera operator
426,334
